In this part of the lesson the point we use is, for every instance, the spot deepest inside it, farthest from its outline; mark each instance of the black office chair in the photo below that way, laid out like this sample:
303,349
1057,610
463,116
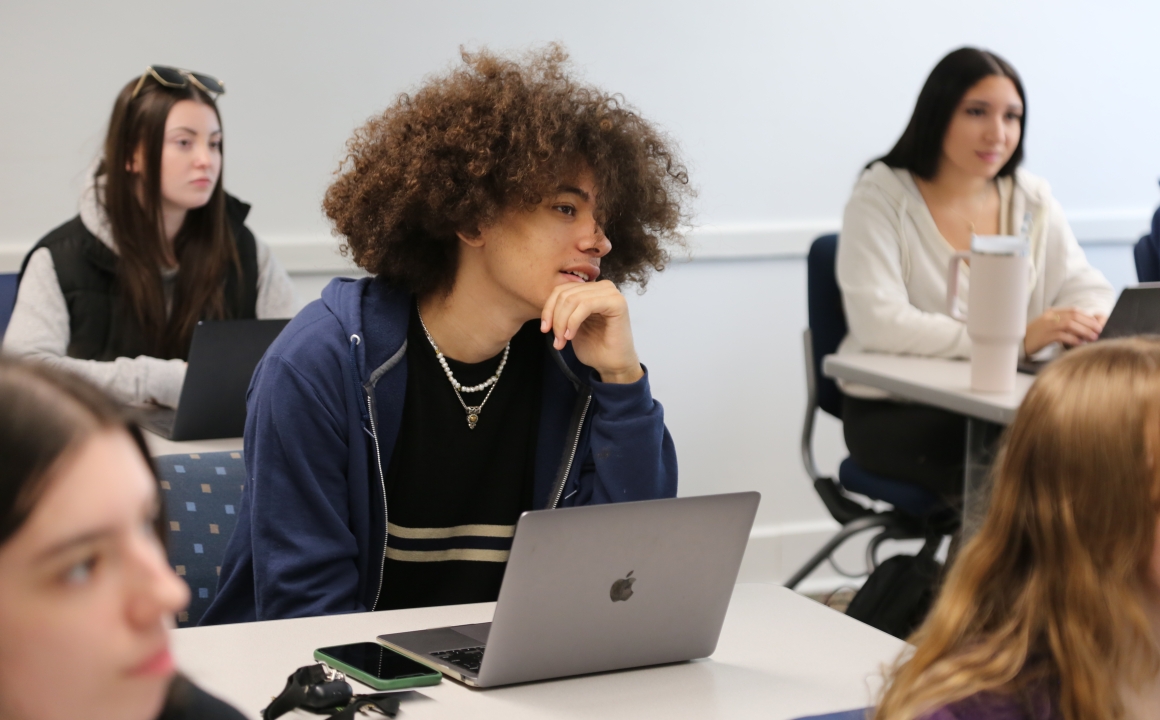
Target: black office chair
915,514
1147,260
1147,253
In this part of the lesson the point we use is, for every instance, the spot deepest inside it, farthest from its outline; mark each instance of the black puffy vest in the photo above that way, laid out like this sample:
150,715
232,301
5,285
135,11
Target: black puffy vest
99,327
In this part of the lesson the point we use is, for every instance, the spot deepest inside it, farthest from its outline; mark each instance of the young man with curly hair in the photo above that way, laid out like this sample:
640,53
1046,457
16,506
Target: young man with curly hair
400,425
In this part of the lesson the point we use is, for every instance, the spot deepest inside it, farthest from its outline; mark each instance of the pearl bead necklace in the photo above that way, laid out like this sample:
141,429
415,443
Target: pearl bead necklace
474,388
472,411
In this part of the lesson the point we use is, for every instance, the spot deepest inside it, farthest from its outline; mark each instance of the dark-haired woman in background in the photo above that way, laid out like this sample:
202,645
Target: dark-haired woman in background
86,594
955,171
114,294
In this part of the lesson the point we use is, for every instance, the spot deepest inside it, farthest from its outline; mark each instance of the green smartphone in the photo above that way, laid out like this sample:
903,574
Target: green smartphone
378,666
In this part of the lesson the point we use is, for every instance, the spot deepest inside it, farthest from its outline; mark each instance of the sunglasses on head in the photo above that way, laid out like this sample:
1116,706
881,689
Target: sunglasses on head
172,77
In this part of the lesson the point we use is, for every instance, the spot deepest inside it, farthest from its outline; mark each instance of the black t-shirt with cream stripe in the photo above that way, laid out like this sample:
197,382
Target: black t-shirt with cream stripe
453,493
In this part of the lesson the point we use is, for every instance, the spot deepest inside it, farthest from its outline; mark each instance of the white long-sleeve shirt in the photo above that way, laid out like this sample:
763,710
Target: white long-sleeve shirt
39,328
892,267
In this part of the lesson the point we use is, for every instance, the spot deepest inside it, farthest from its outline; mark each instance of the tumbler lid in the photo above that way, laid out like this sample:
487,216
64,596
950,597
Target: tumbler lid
999,245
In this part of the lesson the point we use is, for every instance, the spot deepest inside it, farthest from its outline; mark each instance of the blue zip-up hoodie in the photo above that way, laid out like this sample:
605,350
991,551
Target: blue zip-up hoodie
323,412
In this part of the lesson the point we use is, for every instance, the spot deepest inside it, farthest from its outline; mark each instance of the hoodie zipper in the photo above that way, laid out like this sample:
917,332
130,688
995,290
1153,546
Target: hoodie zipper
572,455
383,485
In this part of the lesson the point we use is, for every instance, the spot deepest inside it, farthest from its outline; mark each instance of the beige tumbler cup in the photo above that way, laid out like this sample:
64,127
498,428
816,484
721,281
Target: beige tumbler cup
996,308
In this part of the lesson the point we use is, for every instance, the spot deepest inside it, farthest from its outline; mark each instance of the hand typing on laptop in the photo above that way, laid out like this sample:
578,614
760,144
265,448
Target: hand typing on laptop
1067,326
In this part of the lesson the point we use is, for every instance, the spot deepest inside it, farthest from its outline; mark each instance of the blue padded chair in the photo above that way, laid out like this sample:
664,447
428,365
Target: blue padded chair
915,513
1147,253
201,494
7,300
1147,259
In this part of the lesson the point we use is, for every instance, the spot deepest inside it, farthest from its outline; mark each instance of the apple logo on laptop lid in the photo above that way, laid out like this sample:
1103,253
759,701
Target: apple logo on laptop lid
622,588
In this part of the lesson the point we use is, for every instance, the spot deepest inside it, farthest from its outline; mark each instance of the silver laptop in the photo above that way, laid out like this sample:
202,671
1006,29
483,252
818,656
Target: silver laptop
599,588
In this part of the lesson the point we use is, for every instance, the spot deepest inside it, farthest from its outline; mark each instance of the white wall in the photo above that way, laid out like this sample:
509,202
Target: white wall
776,106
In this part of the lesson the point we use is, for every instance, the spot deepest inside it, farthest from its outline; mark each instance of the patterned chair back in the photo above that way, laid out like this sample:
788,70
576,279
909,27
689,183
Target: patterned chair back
201,493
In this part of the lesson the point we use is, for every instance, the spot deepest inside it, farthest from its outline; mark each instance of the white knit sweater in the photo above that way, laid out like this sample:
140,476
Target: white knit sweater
892,267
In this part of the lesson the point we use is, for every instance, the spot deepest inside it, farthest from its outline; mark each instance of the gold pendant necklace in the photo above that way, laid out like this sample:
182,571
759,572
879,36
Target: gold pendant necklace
970,221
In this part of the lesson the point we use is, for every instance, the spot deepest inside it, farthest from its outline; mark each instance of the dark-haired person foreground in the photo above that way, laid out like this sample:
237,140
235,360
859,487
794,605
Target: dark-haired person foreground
1052,611
953,173
115,293
86,595
494,205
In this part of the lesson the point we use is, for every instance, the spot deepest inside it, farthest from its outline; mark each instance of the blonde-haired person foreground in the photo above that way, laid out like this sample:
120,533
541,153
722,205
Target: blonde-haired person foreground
1053,609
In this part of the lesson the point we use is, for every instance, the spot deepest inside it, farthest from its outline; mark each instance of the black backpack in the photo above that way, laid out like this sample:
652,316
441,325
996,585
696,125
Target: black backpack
899,593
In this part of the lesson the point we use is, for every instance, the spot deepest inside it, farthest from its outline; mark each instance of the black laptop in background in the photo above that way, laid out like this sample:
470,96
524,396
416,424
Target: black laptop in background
1137,312
222,358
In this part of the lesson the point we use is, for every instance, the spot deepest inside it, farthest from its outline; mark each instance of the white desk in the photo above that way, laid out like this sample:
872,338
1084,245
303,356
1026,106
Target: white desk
943,384
160,446
781,655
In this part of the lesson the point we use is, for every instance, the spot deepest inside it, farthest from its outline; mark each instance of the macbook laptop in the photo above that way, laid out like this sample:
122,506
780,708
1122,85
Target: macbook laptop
598,588
222,358
1137,312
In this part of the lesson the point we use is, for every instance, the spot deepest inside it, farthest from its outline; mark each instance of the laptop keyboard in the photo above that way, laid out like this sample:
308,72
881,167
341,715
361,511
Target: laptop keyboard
467,658
160,421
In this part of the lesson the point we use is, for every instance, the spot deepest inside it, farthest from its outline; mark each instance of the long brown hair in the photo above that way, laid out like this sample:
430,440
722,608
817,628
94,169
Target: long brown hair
204,247
45,413
1048,599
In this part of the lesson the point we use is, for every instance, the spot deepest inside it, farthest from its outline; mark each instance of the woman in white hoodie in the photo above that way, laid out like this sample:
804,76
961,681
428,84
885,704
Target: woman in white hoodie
114,294
953,173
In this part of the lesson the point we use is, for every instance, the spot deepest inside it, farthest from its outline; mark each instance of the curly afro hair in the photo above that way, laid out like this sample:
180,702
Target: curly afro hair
496,134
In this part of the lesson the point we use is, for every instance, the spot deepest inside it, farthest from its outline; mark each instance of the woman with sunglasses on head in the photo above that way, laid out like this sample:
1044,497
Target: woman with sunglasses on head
954,173
1052,612
86,594
115,293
